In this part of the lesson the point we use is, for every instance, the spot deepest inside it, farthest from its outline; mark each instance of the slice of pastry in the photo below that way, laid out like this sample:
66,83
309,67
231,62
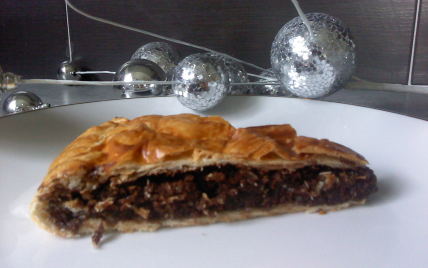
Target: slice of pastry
170,171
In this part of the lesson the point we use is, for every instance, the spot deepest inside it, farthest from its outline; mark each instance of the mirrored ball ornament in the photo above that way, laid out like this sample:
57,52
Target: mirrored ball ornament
237,74
203,82
313,66
271,90
67,71
140,70
22,101
163,54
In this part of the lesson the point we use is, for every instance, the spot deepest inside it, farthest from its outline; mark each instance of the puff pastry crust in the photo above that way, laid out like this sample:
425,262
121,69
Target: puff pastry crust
122,152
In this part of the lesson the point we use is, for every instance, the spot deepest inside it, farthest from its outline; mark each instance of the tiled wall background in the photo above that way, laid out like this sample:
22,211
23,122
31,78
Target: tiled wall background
33,35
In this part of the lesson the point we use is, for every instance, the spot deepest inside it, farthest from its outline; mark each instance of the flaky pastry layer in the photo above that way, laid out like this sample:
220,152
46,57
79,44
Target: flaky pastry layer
155,144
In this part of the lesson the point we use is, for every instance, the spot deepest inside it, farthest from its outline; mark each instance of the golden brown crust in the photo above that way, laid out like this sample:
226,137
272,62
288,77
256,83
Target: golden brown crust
153,143
128,149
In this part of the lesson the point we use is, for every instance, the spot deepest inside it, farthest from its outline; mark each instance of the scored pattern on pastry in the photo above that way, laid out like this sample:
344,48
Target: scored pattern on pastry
154,138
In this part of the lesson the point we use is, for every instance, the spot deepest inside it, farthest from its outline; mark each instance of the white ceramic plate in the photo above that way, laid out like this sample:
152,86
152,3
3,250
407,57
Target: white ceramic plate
390,231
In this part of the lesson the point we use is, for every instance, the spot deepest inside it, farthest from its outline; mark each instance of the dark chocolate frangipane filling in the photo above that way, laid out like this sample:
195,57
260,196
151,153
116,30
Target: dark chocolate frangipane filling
208,191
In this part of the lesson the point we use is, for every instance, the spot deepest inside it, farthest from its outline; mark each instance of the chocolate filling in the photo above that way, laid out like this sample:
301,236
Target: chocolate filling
206,192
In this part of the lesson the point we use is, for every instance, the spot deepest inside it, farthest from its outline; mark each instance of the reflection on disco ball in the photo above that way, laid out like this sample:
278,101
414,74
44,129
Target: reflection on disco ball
313,66
271,90
237,74
204,82
163,54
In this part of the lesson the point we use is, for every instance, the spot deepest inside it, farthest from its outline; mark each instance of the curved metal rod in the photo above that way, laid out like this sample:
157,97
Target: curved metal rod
157,35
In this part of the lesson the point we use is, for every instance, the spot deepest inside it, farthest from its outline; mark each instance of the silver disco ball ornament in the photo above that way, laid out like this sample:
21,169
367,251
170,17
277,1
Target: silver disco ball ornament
22,101
203,81
140,70
237,74
271,90
163,54
67,71
313,66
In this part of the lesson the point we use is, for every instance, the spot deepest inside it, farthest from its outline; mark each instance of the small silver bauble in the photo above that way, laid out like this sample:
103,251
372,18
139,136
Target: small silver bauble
163,54
22,101
67,71
140,70
272,90
313,66
204,81
237,74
